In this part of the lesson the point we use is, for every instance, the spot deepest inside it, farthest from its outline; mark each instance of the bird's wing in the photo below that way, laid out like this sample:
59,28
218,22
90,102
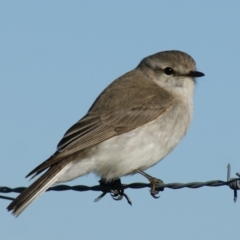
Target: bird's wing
123,110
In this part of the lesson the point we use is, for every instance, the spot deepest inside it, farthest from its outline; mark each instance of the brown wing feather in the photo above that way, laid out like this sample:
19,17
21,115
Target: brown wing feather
119,109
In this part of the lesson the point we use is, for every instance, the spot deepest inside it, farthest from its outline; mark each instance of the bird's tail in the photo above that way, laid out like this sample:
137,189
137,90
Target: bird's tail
37,188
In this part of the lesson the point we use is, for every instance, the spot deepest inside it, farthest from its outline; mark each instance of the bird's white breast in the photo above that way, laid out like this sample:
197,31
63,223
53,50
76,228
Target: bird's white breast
140,148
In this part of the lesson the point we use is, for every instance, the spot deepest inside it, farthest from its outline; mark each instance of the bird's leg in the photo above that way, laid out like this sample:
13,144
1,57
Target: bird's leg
113,187
154,182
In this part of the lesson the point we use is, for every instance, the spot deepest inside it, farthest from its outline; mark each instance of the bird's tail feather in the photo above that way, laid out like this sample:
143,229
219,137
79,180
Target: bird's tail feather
37,188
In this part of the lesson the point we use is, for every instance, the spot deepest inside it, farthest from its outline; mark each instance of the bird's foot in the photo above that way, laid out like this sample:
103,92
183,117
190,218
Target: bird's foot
155,184
115,189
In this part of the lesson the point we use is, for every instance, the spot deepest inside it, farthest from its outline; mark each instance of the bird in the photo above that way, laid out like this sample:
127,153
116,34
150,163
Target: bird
132,125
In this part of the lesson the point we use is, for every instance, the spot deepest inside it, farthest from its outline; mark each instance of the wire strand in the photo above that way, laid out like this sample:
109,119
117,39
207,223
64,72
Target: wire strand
117,192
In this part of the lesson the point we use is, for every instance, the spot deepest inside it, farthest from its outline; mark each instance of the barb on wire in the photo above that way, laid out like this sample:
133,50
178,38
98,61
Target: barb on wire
116,189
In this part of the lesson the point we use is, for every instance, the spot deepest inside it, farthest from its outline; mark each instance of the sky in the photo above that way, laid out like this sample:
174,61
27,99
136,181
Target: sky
57,56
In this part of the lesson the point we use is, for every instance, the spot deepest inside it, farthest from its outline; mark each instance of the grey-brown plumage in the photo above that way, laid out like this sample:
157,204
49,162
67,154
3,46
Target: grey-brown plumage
147,102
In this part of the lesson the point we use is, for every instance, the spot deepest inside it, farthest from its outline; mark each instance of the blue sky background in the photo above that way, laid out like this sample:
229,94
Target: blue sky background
57,56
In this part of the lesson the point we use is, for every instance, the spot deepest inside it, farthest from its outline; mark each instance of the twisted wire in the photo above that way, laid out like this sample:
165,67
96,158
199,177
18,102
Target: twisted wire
233,183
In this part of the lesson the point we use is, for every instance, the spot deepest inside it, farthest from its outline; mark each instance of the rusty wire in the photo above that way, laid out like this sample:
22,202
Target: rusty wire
118,192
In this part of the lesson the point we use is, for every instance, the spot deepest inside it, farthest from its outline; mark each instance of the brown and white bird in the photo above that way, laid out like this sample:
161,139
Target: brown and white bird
133,124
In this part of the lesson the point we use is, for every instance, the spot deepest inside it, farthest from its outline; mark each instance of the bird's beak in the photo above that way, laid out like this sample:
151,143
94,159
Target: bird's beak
195,74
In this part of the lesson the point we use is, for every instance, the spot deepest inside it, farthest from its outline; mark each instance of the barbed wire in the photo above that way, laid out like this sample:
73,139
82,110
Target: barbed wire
117,190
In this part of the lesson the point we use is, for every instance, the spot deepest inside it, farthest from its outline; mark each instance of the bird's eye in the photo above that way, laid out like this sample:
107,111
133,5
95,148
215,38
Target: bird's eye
168,71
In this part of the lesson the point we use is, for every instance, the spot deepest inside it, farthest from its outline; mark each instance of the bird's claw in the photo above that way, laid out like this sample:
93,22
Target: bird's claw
117,194
115,190
155,184
155,187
